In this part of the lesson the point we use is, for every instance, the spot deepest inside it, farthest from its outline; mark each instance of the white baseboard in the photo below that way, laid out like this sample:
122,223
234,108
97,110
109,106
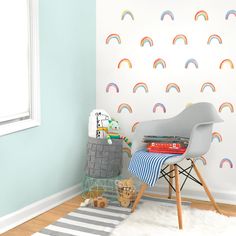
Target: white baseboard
220,197
16,218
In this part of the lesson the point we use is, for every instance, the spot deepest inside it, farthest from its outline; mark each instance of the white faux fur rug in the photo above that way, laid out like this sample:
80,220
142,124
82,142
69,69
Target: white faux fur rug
152,219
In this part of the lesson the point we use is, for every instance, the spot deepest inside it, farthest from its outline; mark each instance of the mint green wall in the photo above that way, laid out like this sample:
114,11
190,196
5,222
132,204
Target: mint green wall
39,162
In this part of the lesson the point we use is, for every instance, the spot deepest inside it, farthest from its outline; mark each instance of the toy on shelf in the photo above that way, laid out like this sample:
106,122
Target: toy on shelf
126,192
114,132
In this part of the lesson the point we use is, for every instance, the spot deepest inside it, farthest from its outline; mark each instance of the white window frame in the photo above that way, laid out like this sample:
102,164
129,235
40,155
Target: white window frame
34,73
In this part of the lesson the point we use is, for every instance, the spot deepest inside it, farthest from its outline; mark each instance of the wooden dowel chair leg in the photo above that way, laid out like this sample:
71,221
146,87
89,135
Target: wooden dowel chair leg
206,189
178,197
140,194
171,181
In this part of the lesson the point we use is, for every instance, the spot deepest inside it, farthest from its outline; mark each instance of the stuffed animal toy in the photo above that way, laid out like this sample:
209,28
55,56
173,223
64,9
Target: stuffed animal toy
98,124
114,132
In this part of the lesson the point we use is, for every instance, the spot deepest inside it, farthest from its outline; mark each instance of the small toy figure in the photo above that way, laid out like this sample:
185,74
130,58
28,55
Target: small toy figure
126,192
100,202
113,132
86,202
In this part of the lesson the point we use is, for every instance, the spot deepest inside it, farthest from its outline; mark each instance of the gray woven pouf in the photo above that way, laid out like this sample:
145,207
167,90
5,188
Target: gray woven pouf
103,160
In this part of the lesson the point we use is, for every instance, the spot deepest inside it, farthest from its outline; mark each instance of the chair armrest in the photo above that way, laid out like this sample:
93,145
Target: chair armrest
200,140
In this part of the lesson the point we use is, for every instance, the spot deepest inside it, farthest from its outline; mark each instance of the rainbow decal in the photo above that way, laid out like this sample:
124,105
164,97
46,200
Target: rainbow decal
167,13
134,126
227,61
159,61
172,85
180,37
126,61
140,85
226,160
125,13
113,36
127,150
214,36
159,105
203,159
146,40
208,84
230,12
112,85
217,136
124,106
201,13
225,105
193,61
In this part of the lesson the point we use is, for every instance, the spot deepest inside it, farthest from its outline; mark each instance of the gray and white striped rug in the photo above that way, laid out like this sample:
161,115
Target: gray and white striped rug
90,221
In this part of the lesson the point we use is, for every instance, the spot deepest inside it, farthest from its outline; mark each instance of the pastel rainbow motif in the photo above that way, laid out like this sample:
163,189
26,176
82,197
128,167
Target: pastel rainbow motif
208,84
226,105
214,36
201,13
125,61
227,61
174,86
158,105
124,106
140,85
112,85
113,36
193,61
127,150
228,161
167,13
159,61
146,40
179,37
203,159
230,12
134,126
125,13
217,136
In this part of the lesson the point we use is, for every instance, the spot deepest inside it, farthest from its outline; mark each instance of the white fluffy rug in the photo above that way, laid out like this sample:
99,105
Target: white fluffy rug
152,219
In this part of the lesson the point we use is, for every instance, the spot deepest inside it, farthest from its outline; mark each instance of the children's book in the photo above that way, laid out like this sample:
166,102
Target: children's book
166,144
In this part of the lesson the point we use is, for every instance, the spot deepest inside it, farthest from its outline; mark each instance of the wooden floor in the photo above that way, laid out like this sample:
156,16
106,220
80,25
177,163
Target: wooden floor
44,219
49,217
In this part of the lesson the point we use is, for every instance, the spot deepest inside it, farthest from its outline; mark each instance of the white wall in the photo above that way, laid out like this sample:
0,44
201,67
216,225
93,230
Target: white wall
147,22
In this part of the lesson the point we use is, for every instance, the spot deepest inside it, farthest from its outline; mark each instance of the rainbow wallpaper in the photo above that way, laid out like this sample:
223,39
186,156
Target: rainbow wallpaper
156,57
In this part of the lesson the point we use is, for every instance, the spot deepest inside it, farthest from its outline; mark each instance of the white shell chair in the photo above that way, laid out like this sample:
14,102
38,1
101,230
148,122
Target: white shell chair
196,123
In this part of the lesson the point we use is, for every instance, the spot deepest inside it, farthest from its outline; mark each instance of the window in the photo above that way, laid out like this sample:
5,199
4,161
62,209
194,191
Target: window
19,65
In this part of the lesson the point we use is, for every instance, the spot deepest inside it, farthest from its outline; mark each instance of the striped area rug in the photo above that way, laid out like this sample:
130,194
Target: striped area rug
90,221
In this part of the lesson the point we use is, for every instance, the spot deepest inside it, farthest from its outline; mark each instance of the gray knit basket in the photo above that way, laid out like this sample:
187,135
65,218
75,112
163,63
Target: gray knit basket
103,160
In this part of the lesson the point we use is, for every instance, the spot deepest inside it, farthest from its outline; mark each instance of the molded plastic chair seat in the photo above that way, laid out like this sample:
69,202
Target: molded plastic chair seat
173,160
